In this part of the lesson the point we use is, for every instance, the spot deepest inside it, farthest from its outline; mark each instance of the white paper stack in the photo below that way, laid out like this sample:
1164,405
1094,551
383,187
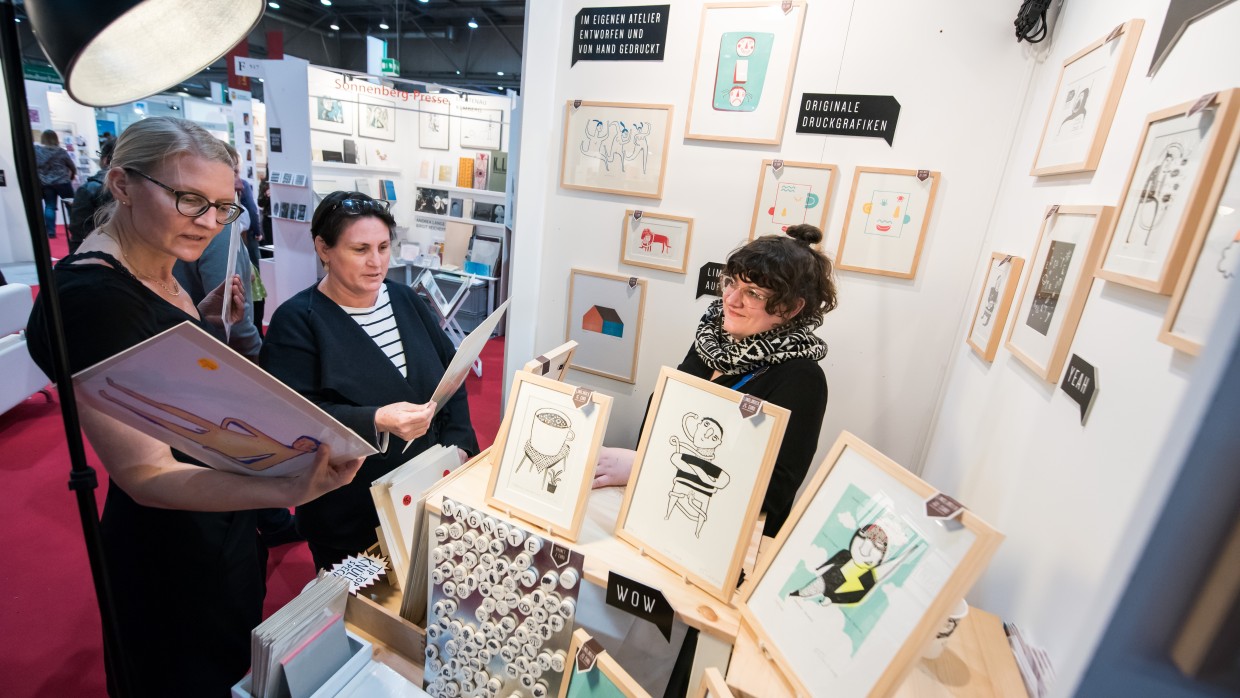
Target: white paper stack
399,501
305,629
380,681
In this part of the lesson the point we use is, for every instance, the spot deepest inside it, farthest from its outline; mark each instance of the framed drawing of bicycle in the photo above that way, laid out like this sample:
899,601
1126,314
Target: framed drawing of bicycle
702,467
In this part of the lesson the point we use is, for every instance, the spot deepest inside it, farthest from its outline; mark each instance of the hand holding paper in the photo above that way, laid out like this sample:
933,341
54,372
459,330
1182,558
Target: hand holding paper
405,419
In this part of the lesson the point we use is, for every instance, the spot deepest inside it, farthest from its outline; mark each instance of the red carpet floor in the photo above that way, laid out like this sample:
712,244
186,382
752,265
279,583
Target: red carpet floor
51,643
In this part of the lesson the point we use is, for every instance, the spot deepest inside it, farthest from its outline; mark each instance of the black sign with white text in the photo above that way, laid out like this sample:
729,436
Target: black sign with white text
708,280
871,116
636,33
640,600
1080,382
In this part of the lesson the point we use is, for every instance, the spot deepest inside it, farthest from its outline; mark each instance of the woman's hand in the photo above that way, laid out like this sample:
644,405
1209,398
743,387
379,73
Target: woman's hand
460,453
405,419
213,305
325,476
614,465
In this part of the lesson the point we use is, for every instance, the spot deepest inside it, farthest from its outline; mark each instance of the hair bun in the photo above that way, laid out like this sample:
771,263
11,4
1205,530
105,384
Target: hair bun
806,233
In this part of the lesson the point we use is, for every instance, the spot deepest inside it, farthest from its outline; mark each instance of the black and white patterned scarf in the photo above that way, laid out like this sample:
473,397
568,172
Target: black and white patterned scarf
729,356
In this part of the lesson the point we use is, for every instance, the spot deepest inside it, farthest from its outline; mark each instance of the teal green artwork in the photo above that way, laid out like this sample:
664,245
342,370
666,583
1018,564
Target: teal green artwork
865,546
592,684
741,72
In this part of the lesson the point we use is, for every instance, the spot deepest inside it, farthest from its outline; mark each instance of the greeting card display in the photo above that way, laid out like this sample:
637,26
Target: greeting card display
886,221
791,193
990,313
656,240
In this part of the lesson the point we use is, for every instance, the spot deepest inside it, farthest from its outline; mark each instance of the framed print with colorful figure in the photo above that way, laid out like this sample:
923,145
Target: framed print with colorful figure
1213,259
990,313
1164,198
332,114
791,194
860,577
615,147
1084,103
433,124
742,74
655,240
1056,287
702,467
546,449
591,672
886,221
605,319
378,119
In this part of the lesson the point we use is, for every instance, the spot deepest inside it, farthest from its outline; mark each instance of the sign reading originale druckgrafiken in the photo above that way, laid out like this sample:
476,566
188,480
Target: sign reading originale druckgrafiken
872,116
636,33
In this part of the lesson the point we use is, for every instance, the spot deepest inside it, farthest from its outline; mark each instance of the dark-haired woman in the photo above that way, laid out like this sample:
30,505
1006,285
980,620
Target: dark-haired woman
370,353
759,339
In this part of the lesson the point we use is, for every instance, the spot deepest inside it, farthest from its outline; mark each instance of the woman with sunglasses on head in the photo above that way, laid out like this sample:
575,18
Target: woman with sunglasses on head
179,539
759,339
370,353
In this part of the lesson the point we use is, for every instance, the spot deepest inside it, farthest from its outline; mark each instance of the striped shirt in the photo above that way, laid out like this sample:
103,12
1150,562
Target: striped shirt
380,324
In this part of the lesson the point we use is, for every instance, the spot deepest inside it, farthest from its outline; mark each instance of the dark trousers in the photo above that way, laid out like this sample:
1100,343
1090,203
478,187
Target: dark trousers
51,193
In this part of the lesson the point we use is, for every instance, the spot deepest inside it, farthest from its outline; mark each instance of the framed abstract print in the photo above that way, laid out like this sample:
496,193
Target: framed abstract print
791,194
1056,287
886,221
605,319
1084,103
615,147
990,313
742,74
1164,198
702,467
655,240
378,119
860,577
332,114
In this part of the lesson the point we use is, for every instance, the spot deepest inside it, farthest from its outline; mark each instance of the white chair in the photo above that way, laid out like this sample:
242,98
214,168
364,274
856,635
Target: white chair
22,377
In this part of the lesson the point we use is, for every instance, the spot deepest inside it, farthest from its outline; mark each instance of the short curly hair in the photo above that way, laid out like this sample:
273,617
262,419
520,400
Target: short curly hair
791,269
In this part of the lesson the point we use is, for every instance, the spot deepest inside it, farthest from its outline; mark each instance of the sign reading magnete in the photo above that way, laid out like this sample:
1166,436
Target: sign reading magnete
637,33
872,116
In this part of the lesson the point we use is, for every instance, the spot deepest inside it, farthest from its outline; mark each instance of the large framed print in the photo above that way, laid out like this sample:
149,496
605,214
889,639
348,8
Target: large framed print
378,120
433,123
698,480
1213,259
860,577
886,221
1164,198
1056,287
594,673
605,319
332,114
480,129
1083,106
656,240
791,194
994,302
615,147
545,450
742,74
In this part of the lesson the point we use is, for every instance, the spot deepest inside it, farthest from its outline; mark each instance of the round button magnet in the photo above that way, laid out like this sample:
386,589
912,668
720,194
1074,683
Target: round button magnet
441,533
569,578
550,580
540,689
558,661
449,587
529,578
474,519
521,562
567,608
458,548
488,525
515,537
448,507
555,623
533,544
455,530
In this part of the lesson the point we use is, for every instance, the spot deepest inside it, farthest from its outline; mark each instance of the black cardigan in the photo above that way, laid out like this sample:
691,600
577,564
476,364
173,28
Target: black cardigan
317,349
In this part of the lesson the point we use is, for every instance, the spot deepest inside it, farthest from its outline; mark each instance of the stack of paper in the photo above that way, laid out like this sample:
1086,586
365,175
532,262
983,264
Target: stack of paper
301,642
399,500
380,681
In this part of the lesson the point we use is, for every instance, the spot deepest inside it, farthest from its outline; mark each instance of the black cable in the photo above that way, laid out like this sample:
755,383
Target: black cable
1031,21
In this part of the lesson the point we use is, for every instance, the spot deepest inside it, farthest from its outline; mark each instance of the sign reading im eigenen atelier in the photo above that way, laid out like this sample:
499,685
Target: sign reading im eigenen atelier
636,33
873,116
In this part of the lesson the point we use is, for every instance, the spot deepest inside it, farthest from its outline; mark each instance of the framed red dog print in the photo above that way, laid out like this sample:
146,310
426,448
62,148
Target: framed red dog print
656,240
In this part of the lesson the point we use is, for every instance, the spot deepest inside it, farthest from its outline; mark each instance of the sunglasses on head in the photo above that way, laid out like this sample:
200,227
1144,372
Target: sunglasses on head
358,206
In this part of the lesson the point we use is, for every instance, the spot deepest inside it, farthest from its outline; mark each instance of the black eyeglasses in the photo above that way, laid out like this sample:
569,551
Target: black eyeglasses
358,207
193,205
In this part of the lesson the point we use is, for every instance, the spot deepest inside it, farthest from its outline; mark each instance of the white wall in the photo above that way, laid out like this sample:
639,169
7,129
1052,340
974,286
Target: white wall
1010,445
15,244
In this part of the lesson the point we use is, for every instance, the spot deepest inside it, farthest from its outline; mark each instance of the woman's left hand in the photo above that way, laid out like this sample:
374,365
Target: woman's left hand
213,305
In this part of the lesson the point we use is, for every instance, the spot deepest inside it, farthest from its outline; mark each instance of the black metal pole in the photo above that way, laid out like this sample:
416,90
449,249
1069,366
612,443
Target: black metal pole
82,479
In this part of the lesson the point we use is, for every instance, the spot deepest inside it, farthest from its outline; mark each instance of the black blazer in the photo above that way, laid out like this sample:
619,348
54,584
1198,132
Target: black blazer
315,348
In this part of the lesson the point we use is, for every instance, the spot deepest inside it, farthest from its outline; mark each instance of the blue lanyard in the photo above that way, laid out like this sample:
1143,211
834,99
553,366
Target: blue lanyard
748,377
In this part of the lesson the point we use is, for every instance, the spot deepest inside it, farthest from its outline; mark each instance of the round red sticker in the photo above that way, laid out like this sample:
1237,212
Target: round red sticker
407,500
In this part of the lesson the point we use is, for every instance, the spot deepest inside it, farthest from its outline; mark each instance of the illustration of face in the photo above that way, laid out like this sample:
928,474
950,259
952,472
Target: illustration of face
745,46
709,435
888,212
736,96
305,444
869,546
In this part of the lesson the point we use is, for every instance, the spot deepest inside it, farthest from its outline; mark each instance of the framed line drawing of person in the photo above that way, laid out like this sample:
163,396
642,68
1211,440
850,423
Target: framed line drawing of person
859,577
990,313
698,479
1084,102
547,446
797,192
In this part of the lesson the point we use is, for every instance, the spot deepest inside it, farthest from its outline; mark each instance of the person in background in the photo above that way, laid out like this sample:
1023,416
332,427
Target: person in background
56,173
264,213
89,198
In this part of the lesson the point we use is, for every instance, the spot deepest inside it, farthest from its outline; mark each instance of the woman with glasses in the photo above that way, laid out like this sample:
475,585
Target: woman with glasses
179,539
759,339
370,353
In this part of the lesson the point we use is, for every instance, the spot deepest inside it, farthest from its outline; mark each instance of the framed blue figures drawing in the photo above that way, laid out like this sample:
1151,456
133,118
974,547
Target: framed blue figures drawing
859,578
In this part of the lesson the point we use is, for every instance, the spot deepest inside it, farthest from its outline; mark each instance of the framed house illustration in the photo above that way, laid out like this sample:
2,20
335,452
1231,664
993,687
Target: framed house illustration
603,320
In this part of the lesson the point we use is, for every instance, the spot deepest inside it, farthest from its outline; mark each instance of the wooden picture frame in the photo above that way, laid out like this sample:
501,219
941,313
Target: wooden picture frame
434,126
480,128
712,685
655,240
993,304
789,195
552,364
616,147
376,119
605,678
887,239
1164,196
605,317
689,418
872,511
1084,102
1062,264
332,114
1213,258
544,427
744,63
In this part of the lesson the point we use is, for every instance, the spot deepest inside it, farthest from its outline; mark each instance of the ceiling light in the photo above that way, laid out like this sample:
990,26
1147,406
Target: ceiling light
499,73
335,27
17,19
473,23
274,5
458,72
326,2
384,25
424,1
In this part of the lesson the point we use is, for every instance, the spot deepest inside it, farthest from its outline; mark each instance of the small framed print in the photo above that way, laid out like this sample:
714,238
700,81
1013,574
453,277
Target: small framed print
1056,287
594,673
605,319
378,120
1164,198
332,114
886,221
554,363
990,313
697,516
547,446
433,123
791,194
1084,103
615,147
656,240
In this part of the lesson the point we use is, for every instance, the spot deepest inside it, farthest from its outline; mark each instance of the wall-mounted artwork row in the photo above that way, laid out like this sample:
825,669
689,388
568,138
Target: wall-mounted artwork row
615,147
791,194
886,221
605,319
